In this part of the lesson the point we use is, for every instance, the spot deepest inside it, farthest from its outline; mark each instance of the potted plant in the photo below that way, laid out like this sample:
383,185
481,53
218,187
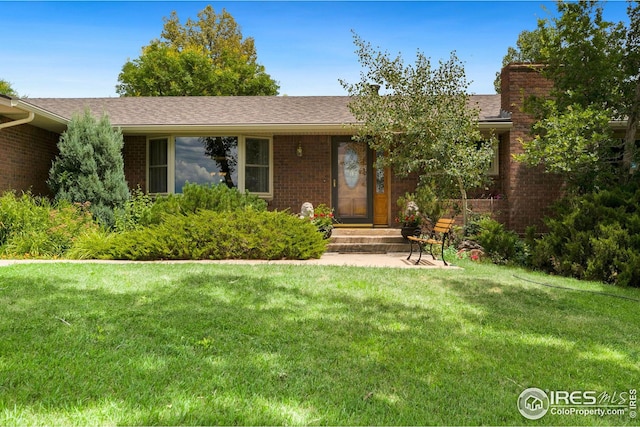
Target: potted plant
409,216
323,219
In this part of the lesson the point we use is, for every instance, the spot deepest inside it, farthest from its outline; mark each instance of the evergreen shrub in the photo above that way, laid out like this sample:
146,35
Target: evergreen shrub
239,234
595,237
501,245
195,197
89,166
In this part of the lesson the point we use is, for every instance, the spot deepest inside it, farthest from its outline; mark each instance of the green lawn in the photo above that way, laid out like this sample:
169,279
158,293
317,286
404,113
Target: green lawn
202,344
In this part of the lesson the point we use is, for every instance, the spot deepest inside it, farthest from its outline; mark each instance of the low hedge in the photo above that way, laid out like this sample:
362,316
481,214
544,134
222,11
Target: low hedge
196,197
240,234
206,222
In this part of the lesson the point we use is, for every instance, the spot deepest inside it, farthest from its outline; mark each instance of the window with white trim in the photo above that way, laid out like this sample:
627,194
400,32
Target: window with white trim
158,161
257,165
206,160
245,163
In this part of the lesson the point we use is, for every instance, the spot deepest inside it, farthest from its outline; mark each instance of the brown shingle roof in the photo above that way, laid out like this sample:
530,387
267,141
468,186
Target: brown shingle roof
207,110
489,107
225,110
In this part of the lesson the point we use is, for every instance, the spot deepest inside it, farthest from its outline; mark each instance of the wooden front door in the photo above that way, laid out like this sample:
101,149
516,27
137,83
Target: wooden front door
351,181
381,195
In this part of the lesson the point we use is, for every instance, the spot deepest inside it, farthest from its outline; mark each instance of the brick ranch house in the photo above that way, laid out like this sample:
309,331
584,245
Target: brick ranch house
288,150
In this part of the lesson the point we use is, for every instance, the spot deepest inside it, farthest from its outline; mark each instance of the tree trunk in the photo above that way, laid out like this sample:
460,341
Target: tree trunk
463,194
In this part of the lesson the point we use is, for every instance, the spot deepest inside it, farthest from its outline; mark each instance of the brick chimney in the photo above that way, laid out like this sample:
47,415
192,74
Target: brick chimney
529,190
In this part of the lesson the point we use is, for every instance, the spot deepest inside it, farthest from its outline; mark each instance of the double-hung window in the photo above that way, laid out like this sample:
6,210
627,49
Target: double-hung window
245,163
257,165
158,161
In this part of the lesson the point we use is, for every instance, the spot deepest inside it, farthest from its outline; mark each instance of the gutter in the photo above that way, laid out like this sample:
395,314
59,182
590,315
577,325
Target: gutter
52,121
30,116
495,125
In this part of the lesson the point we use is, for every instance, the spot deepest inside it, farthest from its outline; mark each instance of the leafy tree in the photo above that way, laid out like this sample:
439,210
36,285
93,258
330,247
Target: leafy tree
90,167
204,57
529,50
573,143
593,65
6,89
423,119
584,54
631,86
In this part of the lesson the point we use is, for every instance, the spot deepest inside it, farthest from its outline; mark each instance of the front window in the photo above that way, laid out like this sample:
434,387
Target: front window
239,162
206,160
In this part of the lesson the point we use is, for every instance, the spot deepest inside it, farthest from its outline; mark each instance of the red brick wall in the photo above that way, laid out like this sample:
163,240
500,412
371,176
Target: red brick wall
301,179
497,208
26,155
308,178
134,155
529,190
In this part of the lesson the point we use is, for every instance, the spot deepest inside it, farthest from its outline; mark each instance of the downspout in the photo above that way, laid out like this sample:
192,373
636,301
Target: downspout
27,119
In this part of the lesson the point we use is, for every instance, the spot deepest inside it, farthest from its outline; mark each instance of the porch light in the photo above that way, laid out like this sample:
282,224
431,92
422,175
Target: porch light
299,150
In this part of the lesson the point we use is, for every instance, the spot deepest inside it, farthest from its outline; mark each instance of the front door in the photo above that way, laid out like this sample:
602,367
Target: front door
381,195
351,181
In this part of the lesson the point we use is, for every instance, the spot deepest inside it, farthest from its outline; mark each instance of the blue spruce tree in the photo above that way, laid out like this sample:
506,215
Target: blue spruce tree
89,166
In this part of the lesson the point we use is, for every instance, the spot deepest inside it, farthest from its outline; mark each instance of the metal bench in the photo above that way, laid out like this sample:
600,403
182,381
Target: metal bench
438,236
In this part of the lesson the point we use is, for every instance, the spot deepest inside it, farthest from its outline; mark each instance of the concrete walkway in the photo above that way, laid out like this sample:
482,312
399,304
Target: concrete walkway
392,260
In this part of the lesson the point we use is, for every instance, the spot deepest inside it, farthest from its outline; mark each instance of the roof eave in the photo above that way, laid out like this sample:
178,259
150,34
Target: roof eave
43,118
271,129
495,125
618,124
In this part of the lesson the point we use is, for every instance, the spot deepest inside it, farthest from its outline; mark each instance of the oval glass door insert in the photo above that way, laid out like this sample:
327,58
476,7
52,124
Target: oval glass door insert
351,167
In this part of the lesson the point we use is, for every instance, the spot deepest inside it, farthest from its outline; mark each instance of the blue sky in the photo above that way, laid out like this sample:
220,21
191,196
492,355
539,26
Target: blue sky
77,49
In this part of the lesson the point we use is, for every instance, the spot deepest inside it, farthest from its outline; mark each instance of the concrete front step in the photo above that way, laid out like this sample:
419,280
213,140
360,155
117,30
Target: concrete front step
367,240
362,238
367,248
365,231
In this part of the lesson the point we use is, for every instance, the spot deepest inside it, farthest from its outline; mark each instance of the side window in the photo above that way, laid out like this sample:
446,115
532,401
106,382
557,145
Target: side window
158,165
494,167
257,165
